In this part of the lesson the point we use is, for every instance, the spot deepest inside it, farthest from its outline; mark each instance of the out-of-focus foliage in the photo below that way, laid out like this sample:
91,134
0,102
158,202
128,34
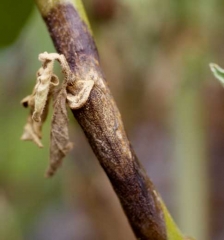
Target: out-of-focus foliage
13,16
218,72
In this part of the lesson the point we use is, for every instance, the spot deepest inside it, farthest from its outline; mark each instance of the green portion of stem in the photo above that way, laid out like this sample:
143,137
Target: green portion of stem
81,10
173,233
46,5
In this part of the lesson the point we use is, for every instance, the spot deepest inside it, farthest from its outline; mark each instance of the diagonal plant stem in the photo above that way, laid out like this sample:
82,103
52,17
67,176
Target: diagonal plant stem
101,122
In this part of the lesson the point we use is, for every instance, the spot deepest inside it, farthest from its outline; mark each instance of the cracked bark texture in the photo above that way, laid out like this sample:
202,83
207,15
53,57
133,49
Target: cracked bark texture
102,124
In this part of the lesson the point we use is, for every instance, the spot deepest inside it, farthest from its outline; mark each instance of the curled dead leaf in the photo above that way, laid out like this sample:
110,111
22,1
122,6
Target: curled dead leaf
78,93
32,132
60,144
72,91
46,81
33,129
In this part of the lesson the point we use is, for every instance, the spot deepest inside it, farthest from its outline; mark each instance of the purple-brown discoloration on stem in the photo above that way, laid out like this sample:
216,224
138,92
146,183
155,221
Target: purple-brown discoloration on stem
103,127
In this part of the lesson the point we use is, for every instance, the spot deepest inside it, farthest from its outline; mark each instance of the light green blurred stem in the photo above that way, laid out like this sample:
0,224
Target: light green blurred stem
190,162
9,227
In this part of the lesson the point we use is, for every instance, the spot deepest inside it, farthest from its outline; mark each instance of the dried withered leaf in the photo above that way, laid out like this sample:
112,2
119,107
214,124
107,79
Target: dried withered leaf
46,80
78,93
60,144
32,129
75,92
32,132
38,101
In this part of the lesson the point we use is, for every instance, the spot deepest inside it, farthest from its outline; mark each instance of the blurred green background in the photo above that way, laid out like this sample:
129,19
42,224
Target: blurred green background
155,55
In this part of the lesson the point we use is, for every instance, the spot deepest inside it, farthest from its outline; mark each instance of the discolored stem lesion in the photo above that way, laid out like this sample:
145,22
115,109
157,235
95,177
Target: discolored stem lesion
101,122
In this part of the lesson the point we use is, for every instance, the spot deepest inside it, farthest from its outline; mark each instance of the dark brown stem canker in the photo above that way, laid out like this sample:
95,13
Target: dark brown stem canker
103,127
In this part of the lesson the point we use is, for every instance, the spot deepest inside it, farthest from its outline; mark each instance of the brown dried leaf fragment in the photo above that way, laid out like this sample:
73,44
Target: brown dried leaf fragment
32,129
60,144
46,81
38,101
32,132
78,93
73,91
